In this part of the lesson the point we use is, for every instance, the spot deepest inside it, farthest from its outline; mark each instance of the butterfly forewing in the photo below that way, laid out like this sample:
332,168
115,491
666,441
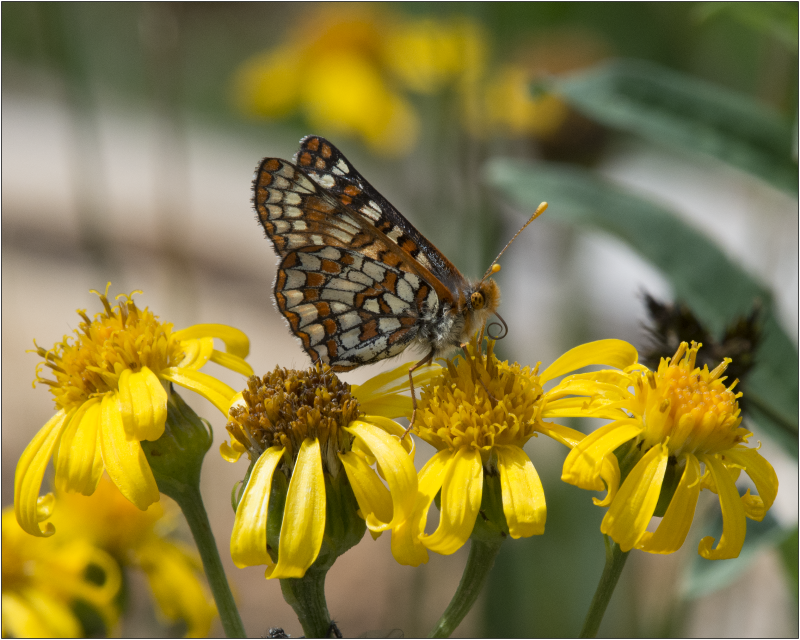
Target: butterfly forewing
348,309
328,167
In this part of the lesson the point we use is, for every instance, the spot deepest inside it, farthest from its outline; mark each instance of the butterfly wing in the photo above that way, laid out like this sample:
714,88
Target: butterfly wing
348,309
328,167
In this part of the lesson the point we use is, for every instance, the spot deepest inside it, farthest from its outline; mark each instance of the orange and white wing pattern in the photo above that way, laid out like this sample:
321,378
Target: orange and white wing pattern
348,309
357,282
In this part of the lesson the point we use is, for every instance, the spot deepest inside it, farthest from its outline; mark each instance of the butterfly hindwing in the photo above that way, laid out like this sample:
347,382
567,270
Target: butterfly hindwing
348,309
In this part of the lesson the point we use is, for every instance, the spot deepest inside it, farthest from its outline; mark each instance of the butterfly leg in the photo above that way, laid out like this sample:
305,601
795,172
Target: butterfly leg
427,359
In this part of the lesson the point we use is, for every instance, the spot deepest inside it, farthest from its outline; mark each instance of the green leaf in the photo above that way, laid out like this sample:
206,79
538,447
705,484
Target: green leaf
778,19
679,111
716,289
705,576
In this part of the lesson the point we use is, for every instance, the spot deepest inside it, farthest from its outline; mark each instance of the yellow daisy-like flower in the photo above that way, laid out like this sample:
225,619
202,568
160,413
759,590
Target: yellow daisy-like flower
479,413
677,431
142,540
111,388
42,579
311,430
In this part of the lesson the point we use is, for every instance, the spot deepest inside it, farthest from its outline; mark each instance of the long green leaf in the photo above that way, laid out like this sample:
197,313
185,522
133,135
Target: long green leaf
670,108
716,289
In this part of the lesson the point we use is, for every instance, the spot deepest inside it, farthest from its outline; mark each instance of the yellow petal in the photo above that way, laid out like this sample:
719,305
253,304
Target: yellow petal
407,547
30,471
143,402
763,476
674,526
560,433
396,465
124,459
374,499
523,495
462,488
236,341
79,462
35,614
213,390
175,586
734,522
249,535
196,353
388,393
304,515
394,429
231,452
232,362
584,463
630,512
612,353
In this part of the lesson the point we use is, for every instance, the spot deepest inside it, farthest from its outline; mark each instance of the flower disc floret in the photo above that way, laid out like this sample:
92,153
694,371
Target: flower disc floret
112,384
302,428
677,431
479,402
286,407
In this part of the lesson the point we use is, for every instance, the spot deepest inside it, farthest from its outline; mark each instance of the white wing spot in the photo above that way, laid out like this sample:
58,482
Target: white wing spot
316,332
294,279
330,253
338,308
351,338
309,261
374,271
341,284
345,297
372,305
388,325
307,312
293,212
326,181
357,276
349,320
342,166
281,226
293,298
395,304
405,291
292,198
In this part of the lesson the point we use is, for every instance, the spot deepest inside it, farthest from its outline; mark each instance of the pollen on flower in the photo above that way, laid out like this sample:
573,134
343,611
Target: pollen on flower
287,406
119,338
480,402
692,407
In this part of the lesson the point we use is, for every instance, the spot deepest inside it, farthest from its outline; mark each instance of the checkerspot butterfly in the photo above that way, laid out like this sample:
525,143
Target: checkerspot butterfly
357,282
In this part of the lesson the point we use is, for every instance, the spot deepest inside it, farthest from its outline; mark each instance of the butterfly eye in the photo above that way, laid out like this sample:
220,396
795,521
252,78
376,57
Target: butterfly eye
477,300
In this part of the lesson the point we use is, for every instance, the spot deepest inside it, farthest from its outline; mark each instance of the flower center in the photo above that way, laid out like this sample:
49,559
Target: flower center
287,406
122,337
691,406
479,402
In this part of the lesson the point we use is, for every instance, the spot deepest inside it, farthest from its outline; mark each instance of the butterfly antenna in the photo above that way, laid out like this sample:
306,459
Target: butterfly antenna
492,270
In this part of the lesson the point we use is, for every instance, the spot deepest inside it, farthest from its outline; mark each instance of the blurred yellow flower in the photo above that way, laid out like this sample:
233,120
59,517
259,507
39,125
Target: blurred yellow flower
308,428
478,414
111,392
674,422
344,68
142,540
43,578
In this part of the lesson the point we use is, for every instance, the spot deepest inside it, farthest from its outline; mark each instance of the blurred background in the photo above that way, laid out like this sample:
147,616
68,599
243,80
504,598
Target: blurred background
663,136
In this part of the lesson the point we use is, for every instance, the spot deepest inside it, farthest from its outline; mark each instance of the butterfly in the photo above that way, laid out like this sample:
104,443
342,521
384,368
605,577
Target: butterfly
357,282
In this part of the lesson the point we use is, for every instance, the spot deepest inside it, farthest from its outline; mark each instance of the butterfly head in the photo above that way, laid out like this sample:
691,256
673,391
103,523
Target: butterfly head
482,302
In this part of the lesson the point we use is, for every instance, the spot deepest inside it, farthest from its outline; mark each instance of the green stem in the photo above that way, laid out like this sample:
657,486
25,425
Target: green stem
191,504
306,596
482,554
615,561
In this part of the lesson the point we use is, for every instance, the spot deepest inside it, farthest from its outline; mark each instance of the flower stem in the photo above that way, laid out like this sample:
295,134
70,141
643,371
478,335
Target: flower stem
306,596
191,504
615,561
482,554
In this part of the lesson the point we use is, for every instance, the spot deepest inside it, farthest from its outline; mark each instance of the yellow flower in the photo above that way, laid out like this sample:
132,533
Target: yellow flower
141,540
478,414
111,392
42,579
341,68
310,429
676,432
